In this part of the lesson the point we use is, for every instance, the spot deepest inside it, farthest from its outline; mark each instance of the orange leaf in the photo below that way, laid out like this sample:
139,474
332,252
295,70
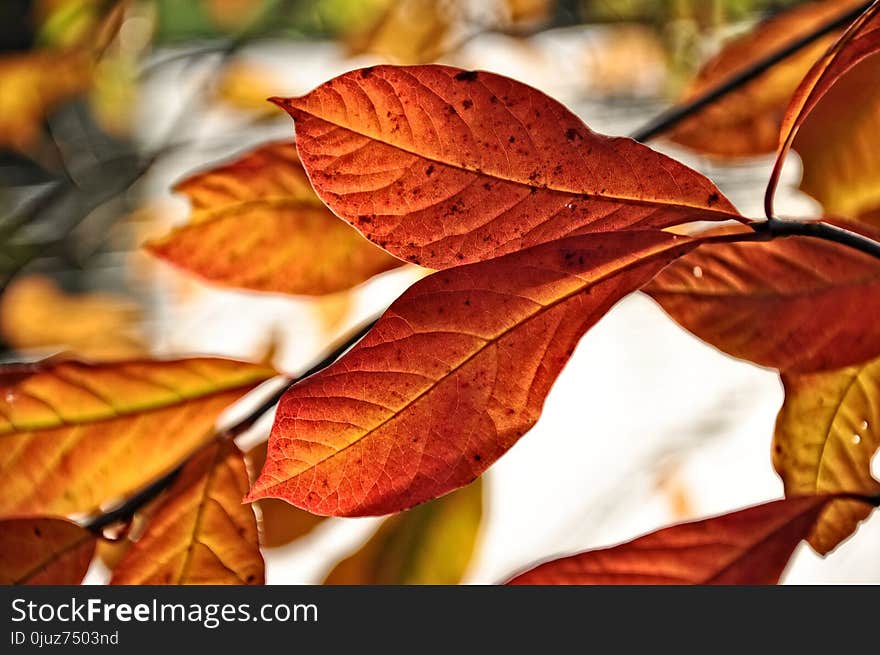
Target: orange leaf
74,436
245,86
280,522
442,166
826,435
746,122
407,31
36,314
44,551
258,225
452,375
796,304
34,84
201,534
751,546
431,544
838,144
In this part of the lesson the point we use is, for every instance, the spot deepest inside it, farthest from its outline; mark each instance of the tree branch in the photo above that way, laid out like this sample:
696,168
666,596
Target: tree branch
778,229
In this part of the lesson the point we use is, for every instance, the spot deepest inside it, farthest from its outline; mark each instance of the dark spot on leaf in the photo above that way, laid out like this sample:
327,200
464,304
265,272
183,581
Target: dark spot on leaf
366,220
429,170
712,199
512,139
571,134
467,104
477,458
366,72
38,532
466,76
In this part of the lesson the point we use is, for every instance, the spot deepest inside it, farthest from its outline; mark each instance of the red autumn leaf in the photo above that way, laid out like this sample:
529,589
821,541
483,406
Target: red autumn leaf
201,533
860,41
751,546
44,551
280,522
795,304
442,166
452,375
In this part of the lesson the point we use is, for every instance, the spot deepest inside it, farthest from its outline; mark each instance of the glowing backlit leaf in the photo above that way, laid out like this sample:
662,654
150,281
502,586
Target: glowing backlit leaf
201,533
826,435
452,375
280,522
795,304
258,225
74,436
442,166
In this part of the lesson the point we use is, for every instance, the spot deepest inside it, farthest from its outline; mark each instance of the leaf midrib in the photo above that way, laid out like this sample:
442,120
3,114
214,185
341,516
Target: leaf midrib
624,200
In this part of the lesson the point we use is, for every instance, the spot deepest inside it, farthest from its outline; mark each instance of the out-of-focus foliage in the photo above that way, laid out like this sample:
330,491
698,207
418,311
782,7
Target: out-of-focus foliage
36,314
431,544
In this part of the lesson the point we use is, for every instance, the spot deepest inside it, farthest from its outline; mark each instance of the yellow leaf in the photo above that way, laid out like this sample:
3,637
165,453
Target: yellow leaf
33,85
430,544
44,551
826,434
75,436
201,533
407,32
35,313
247,86
839,146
